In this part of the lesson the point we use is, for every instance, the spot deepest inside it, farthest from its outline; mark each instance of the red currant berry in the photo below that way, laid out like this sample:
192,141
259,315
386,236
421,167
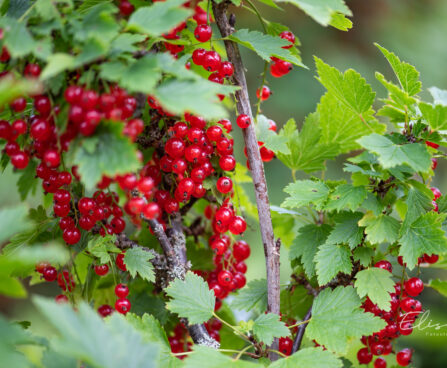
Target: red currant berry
224,278
224,185
434,163
40,130
264,93
226,69
243,121
71,235
175,147
436,192
285,345
414,286
403,357
105,310
61,299
43,105
211,61
289,36
32,71
385,265
431,259
380,363
237,225
121,291
198,56
122,306
19,104
126,8
49,274
19,160
101,270
432,144
203,33
227,162
226,125
364,356
120,262
241,250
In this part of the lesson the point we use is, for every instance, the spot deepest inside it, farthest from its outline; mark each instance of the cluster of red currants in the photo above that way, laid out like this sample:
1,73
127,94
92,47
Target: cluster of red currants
64,279
88,109
400,319
230,267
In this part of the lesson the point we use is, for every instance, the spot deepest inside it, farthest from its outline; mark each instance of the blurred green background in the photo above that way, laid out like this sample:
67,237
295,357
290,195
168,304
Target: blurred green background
415,30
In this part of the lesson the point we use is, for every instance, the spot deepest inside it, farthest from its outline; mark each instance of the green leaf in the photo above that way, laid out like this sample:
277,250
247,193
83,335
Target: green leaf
363,255
377,284
252,297
12,287
322,11
12,221
271,139
211,358
306,150
330,260
11,88
306,244
16,37
436,115
27,182
100,247
268,326
141,76
197,96
152,331
407,74
305,192
425,235
337,318
341,126
380,229
309,357
391,155
56,64
125,42
349,88
346,230
98,20
191,298
84,335
88,4
159,18
12,336
107,152
137,261
346,196
340,22
419,201
265,45
439,285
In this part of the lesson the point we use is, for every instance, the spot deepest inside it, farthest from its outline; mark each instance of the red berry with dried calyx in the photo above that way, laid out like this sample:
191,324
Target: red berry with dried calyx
243,121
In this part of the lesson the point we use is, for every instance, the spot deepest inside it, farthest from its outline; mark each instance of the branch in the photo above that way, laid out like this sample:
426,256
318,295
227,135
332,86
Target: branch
174,248
300,333
271,250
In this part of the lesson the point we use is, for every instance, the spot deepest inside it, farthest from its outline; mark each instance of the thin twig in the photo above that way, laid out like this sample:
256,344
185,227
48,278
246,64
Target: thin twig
271,250
301,330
